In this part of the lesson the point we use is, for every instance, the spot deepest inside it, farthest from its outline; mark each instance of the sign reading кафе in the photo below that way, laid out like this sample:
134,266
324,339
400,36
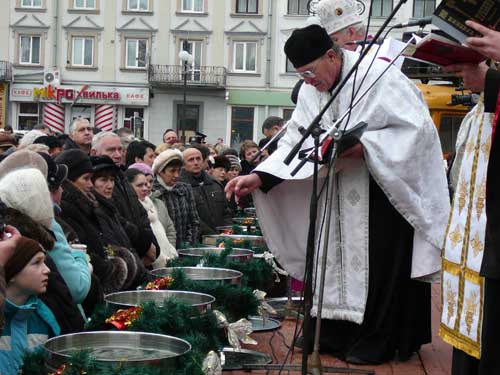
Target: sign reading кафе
85,94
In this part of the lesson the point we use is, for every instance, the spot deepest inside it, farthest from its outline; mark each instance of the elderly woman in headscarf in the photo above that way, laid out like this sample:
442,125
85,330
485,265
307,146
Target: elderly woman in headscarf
157,213
116,268
177,196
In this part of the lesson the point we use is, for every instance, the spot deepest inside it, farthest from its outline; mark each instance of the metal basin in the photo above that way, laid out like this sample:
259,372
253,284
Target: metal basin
203,274
250,211
120,348
213,239
241,228
241,255
246,221
198,301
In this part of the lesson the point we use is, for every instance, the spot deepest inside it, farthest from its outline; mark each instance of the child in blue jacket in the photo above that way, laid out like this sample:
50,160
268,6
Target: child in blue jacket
28,321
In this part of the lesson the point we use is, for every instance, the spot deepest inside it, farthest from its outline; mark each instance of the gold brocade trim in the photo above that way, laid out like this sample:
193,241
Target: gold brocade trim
459,341
477,245
450,300
473,276
486,147
456,236
470,310
481,198
469,148
451,267
462,195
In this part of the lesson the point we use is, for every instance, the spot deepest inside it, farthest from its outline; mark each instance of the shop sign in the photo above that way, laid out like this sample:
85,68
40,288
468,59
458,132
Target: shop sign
85,94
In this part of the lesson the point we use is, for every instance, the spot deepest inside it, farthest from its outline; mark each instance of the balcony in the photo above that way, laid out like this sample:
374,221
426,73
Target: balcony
208,77
5,71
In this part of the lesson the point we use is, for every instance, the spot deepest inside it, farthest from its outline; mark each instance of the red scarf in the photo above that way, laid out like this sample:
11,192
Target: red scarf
497,114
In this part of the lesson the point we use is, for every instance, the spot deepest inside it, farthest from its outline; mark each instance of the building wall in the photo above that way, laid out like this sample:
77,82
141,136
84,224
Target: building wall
267,90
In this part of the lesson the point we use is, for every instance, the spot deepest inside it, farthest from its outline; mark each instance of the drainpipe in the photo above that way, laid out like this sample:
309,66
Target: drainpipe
269,40
56,33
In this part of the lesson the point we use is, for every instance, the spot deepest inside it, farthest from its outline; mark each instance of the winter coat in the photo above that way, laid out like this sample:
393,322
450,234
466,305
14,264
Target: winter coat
165,220
137,223
72,265
79,211
167,249
113,233
182,210
26,327
210,201
58,296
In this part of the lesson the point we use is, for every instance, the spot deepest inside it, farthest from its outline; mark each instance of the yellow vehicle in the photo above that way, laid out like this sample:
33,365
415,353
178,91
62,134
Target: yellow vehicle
446,117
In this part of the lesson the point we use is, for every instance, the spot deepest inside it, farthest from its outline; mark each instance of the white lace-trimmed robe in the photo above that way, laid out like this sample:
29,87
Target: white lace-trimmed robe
402,153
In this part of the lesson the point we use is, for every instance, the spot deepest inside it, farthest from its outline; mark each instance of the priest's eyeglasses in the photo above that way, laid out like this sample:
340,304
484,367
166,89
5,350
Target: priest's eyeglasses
311,72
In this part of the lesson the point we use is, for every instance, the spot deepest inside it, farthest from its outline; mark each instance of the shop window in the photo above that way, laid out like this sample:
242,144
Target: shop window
245,57
31,3
192,6
130,113
29,49
381,8
85,4
242,119
81,111
29,114
83,51
287,114
423,8
191,122
136,53
195,49
247,6
298,7
138,5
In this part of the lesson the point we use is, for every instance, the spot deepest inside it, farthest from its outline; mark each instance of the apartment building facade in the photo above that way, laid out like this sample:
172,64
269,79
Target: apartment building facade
111,60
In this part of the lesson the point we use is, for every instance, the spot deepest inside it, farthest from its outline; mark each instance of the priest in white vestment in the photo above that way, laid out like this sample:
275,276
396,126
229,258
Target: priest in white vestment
390,204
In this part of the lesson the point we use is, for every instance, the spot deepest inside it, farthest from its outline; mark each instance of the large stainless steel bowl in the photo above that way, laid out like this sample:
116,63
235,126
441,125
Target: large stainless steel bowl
250,211
120,348
241,255
204,274
198,301
228,229
254,221
213,239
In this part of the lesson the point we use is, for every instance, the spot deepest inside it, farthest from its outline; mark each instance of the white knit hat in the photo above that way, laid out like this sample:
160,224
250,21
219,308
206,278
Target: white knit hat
165,158
336,15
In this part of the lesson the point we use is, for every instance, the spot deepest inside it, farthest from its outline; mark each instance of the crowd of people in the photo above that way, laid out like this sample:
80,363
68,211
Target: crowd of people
93,212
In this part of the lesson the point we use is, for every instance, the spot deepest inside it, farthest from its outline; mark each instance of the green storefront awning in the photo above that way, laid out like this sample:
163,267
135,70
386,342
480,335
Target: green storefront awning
260,97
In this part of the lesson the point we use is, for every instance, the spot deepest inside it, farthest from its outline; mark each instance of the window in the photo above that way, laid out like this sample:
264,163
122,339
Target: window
136,53
28,116
130,113
298,7
192,6
83,51
31,3
289,66
29,52
244,57
190,124
194,47
423,8
247,6
287,114
241,125
381,8
84,4
137,5
81,111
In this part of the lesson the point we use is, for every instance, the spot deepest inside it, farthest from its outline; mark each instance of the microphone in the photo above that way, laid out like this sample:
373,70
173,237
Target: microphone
418,22
364,42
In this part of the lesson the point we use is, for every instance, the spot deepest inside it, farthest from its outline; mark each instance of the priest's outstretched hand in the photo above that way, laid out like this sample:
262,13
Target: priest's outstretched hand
242,185
486,45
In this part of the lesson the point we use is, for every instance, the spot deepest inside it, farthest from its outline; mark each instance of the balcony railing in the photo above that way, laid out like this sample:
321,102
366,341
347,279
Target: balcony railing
203,76
5,71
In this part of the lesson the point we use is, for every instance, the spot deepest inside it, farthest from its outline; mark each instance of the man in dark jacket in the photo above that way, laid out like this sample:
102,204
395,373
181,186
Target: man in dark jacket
80,135
124,197
209,195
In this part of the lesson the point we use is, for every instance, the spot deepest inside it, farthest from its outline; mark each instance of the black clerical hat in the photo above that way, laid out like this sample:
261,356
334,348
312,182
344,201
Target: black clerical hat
307,44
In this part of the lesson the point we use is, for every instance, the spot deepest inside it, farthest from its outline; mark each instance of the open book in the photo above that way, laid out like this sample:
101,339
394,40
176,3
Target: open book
450,16
439,50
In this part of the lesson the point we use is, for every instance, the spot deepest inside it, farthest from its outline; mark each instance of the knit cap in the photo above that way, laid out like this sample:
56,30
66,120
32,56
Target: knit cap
144,168
234,160
165,158
25,250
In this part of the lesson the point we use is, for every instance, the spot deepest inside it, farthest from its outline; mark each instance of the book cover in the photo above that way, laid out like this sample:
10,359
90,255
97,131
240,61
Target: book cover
439,50
450,16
